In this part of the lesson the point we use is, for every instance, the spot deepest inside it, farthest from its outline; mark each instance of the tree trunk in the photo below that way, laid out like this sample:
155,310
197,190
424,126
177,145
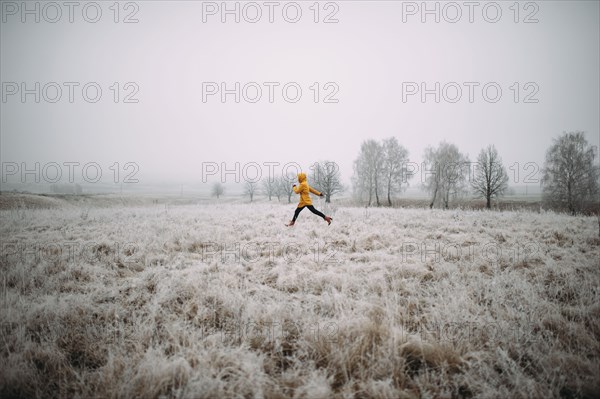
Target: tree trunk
488,203
570,199
389,190
433,199
377,191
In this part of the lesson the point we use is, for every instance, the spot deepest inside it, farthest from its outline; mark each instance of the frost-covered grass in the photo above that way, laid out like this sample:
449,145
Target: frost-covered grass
224,301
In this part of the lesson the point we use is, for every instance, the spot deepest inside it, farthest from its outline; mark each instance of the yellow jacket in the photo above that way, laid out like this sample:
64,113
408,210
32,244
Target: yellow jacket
304,189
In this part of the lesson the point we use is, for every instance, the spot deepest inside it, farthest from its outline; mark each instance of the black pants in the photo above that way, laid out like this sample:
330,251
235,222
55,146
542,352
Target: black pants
310,208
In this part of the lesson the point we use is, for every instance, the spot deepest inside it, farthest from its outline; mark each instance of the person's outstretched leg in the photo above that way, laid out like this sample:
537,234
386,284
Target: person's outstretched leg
296,213
316,212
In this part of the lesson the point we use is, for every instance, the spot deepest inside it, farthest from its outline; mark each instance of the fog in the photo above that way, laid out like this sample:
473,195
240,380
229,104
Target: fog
167,121
126,270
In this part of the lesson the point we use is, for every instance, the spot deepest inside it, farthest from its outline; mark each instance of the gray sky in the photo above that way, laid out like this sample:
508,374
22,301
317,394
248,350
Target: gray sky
368,54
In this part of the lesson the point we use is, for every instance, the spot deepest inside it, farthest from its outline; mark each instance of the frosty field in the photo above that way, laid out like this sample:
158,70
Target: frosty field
222,300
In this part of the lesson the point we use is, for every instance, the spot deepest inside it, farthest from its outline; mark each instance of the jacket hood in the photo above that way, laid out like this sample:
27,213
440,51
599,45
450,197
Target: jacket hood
301,177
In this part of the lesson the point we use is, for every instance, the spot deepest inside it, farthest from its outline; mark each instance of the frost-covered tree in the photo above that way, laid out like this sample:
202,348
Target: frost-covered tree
285,184
444,173
395,158
490,179
279,188
250,189
570,176
326,178
269,187
368,168
217,189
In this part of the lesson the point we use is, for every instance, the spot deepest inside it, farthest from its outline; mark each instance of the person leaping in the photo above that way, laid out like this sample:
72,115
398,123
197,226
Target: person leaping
305,202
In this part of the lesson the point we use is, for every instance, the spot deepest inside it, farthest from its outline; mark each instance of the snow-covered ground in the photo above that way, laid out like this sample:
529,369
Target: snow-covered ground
224,301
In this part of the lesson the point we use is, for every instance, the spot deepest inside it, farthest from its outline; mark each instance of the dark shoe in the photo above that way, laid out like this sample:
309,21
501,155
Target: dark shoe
328,220
291,223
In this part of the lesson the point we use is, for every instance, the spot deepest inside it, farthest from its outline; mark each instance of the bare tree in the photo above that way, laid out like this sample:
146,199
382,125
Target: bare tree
395,158
490,179
326,179
445,172
217,189
368,168
285,184
279,188
250,189
570,177
269,187
287,187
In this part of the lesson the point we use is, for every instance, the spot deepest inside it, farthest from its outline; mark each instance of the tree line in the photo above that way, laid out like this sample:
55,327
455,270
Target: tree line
382,171
570,176
324,176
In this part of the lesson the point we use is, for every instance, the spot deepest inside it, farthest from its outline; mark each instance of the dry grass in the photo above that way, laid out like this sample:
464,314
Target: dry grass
157,302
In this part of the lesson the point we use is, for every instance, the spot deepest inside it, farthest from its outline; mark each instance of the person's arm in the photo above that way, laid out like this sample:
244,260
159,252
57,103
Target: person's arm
296,189
315,192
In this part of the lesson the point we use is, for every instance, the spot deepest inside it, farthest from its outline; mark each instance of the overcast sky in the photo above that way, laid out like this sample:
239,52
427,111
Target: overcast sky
368,57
